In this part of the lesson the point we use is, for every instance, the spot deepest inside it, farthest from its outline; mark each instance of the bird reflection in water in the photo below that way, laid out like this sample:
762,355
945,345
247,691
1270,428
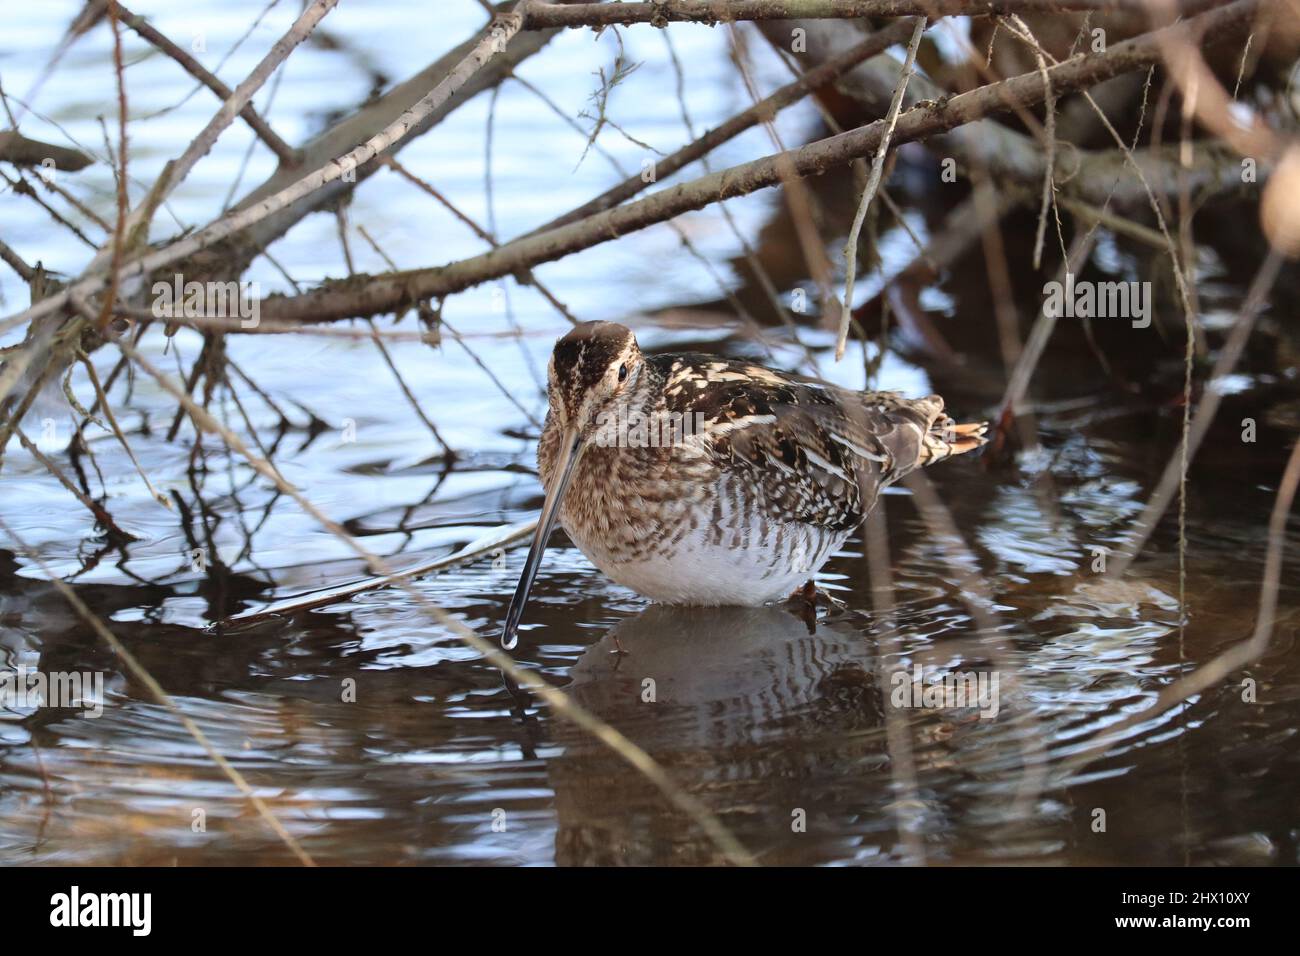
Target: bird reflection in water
746,710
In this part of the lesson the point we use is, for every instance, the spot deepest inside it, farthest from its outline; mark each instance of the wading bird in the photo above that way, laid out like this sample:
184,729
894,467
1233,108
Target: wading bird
693,479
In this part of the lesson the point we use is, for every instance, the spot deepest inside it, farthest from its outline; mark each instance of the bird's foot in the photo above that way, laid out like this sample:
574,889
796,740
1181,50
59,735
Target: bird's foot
805,600
810,593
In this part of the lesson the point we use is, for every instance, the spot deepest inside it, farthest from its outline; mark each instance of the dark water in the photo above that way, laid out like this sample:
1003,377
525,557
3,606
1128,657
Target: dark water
377,737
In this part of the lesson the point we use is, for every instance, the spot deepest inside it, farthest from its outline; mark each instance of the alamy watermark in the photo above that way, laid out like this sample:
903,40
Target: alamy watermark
1098,300
951,690
133,911
631,428
23,688
179,299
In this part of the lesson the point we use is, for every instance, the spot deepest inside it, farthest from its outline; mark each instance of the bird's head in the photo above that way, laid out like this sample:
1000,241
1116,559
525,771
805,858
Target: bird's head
593,368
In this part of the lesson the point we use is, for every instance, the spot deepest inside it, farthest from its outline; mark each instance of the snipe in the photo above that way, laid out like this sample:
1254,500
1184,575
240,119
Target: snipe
693,479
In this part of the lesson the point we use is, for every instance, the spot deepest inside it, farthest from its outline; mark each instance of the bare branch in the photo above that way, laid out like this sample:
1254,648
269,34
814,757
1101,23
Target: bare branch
357,129
254,212
18,149
721,11
176,170
1234,658
196,69
156,691
391,292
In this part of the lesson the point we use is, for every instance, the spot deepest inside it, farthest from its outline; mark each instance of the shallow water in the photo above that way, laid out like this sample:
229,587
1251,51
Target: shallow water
780,729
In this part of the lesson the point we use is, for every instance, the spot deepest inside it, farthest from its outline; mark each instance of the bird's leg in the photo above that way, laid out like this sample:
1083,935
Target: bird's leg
804,604
809,595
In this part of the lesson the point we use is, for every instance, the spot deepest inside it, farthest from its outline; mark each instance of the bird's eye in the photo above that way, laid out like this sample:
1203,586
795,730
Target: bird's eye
622,372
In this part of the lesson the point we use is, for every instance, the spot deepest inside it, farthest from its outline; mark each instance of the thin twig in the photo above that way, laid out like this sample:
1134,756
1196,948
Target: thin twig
1049,145
22,187
117,249
798,197
1211,396
543,16
495,540
1179,270
732,127
176,170
980,602
877,168
194,68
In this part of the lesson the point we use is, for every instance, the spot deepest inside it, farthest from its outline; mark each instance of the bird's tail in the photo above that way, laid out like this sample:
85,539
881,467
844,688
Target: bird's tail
946,438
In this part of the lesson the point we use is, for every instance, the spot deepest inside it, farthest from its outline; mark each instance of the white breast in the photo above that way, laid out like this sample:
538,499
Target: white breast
738,571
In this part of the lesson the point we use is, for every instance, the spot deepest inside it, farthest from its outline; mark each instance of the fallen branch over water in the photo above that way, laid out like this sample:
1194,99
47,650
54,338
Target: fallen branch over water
494,540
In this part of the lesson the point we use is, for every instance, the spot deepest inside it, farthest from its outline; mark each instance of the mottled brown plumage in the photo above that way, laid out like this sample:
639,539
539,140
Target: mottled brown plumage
698,480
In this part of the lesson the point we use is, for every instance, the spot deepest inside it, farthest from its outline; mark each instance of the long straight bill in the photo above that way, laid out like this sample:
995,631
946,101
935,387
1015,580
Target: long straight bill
550,511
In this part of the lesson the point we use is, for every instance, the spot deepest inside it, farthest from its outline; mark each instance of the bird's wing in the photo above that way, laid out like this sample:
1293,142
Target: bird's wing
815,452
